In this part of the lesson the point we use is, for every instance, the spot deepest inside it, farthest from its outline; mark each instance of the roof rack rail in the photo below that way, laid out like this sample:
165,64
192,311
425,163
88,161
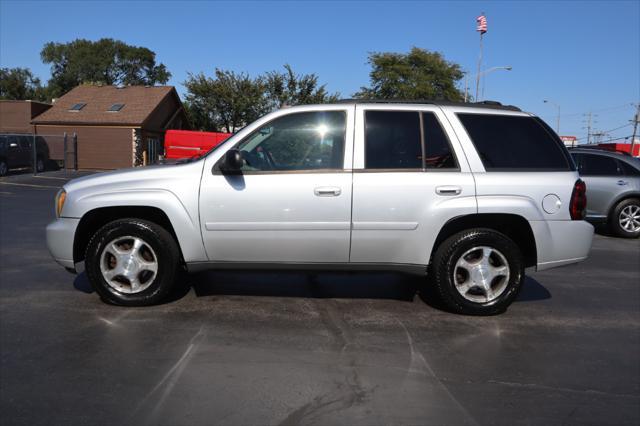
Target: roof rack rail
481,104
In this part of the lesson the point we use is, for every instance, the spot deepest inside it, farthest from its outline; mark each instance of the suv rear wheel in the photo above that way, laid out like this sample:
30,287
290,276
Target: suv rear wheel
132,262
4,167
625,218
478,272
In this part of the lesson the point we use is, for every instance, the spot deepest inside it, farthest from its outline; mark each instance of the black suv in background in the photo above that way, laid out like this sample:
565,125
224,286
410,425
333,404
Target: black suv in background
16,151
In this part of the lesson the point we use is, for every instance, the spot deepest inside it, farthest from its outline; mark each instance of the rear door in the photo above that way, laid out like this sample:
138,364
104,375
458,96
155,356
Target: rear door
605,182
410,177
26,151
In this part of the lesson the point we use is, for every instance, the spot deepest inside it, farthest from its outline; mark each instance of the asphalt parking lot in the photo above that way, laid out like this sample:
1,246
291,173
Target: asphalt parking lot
239,348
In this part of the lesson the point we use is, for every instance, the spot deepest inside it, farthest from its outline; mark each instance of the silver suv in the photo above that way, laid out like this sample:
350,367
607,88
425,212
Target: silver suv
613,180
468,195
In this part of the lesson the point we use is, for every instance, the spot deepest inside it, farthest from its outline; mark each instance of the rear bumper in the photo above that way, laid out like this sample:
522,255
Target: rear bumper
60,236
561,242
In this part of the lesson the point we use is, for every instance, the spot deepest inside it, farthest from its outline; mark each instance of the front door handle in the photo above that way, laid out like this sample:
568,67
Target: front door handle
327,191
622,182
448,190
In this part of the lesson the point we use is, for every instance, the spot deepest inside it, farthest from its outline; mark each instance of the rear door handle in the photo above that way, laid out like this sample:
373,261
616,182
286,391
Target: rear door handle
327,191
622,182
448,190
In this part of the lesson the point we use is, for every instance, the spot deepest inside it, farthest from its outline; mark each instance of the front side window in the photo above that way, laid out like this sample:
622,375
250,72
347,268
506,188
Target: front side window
515,143
392,140
300,141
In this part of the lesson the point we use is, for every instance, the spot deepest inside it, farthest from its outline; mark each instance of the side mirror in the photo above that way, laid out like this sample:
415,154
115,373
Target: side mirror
232,161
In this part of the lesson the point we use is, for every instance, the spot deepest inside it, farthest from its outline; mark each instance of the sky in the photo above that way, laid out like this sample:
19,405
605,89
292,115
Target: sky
581,55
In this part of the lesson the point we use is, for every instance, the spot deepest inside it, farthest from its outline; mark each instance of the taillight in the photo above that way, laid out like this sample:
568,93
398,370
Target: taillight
578,205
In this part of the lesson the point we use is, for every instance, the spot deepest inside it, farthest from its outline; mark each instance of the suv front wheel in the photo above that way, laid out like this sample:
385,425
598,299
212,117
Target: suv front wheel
478,272
132,262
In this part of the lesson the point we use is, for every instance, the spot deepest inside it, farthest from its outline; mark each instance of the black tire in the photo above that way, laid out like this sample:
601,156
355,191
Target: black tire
615,217
161,242
443,267
4,167
39,165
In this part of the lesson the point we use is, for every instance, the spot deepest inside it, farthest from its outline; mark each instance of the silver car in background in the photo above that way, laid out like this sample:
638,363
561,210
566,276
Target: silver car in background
613,189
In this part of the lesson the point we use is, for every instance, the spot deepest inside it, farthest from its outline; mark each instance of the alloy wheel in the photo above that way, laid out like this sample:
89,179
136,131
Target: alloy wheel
128,264
629,218
481,274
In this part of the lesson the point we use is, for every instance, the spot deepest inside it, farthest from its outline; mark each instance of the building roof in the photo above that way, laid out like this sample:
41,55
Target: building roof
139,102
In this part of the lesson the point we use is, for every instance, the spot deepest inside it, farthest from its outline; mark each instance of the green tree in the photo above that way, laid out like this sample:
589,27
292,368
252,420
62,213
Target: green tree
419,74
20,84
287,88
225,102
105,61
230,100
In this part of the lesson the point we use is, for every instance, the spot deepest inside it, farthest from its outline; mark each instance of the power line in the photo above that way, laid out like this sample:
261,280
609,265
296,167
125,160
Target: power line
620,138
576,114
617,128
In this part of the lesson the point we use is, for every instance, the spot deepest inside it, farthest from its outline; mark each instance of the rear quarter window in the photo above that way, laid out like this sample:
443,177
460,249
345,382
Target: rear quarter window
515,143
629,169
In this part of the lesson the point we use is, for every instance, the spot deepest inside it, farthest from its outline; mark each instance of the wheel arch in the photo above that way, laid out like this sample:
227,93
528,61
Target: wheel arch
513,226
98,217
620,198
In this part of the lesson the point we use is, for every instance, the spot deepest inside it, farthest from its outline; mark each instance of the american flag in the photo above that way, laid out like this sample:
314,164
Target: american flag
482,24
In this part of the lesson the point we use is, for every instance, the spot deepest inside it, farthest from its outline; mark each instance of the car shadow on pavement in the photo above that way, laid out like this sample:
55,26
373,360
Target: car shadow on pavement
345,285
81,283
603,229
532,290
350,285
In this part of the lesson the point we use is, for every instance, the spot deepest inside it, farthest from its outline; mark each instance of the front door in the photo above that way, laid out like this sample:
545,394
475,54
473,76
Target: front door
291,202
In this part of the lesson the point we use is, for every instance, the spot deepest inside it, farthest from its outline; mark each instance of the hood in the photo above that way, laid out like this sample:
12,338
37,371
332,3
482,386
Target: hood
138,177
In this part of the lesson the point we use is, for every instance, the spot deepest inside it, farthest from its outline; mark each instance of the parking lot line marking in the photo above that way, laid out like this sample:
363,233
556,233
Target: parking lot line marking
29,185
5,193
52,177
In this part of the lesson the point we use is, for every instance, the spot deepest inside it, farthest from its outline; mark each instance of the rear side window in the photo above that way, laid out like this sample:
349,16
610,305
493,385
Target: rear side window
438,154
597,165
25,142
515,143
392,140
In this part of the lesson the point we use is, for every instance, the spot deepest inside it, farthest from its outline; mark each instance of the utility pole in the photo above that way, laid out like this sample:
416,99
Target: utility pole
547,101
590,122
466,86
599,136
635,128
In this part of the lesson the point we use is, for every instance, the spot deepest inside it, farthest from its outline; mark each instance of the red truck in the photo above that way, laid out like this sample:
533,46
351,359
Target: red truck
187,143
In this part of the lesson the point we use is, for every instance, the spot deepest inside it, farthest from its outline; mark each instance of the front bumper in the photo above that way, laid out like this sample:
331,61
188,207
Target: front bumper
561,242
60,235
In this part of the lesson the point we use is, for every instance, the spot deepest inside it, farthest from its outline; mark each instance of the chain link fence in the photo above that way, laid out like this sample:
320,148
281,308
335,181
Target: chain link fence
36,152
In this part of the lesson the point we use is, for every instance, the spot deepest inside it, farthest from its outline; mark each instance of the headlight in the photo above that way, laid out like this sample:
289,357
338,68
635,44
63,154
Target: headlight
60,199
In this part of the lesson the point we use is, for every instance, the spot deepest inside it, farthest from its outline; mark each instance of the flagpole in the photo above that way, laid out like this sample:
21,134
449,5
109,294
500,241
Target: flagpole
479,66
